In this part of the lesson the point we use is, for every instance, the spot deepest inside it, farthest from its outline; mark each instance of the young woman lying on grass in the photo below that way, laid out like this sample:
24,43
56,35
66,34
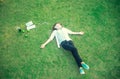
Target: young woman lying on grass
62,37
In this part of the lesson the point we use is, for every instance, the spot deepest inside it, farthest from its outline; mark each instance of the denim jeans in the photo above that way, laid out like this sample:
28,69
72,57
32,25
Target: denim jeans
68,45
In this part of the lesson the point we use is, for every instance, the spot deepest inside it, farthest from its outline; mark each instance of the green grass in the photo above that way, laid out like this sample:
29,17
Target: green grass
21,58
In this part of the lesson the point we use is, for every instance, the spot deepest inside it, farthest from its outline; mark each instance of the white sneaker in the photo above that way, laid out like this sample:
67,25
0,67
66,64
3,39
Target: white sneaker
81,71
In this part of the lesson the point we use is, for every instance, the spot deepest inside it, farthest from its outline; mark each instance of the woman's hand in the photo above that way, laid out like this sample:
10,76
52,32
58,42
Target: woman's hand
42,46
81,33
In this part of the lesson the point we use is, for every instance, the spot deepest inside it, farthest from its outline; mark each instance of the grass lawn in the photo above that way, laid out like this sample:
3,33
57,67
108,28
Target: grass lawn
22,58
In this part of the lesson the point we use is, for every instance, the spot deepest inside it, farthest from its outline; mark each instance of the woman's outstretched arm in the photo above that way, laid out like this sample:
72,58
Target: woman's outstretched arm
49,40
71,32
81,33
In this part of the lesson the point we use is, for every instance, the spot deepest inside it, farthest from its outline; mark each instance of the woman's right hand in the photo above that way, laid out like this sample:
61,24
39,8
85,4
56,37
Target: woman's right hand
42,46
81,33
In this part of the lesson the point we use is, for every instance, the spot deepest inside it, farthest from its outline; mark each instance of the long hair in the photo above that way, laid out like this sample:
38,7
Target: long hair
53,28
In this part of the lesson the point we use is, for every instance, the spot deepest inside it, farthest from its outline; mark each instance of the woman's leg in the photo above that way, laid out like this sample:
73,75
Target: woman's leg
68,45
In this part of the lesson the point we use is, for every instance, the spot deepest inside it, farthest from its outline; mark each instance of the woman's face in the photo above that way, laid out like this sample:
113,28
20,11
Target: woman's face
58,26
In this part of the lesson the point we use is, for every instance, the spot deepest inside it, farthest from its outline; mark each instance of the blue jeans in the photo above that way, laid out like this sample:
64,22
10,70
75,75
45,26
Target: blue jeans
68,45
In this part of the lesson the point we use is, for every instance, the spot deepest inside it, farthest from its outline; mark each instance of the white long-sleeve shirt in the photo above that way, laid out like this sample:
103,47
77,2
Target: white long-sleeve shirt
61,35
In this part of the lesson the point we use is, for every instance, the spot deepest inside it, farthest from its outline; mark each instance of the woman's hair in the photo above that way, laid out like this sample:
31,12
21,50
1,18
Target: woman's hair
53,28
